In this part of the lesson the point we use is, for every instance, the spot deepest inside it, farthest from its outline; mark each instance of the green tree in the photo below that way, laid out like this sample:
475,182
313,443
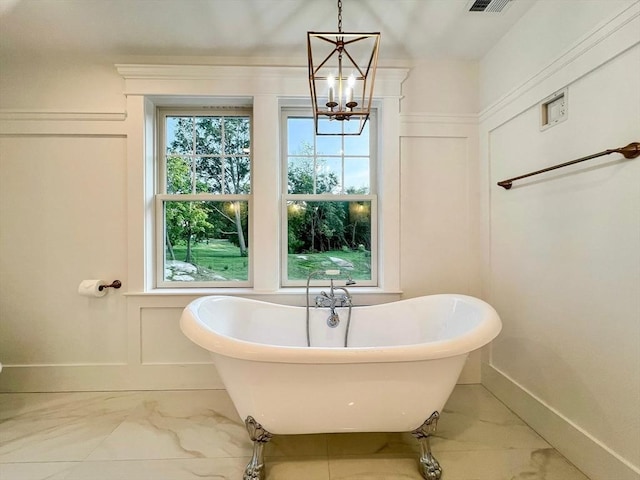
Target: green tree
220,146
305,177
359,215
185,221
314,226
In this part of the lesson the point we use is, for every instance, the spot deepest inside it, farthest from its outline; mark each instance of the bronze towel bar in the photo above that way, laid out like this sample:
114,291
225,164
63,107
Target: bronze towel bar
630,151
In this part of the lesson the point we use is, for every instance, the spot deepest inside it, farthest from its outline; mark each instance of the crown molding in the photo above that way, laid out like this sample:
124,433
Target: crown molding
147,79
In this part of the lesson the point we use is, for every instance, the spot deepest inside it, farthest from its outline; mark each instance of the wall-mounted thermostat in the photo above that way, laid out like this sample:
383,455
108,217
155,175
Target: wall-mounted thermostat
554,109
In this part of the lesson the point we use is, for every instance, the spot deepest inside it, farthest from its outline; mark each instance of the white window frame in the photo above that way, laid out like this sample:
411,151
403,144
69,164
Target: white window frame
372,197
266,89
161,196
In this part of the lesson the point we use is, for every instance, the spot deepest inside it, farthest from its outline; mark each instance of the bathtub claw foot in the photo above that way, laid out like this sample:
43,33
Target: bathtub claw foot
259,436
430,469
428,465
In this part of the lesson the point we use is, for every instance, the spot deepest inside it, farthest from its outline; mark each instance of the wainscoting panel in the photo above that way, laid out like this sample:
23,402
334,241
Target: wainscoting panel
560,258
162,341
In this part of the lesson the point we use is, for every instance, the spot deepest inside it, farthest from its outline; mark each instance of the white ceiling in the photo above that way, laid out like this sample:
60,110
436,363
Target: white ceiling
273,29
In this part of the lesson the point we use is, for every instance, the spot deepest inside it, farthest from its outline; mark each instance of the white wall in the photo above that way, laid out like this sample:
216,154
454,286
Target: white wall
437,165
560,250
443,87
55,231
439,195
60,84
548,30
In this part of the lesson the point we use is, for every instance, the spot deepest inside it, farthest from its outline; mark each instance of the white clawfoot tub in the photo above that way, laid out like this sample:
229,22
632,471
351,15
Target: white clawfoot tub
402,362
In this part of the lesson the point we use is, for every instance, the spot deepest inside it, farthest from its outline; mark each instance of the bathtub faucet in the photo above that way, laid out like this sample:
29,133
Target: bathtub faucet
332,301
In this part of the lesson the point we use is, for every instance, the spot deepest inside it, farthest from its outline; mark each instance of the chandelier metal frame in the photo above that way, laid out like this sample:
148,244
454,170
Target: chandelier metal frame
341,88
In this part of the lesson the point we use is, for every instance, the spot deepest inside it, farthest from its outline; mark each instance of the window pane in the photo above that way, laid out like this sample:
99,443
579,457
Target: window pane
329,175
300,175
236,175
329,145
337,171
329,235
352,127
357,144
348,127
205,241
208,135
300,136
208,175
179,175
330,126
356,175
237,136
179,135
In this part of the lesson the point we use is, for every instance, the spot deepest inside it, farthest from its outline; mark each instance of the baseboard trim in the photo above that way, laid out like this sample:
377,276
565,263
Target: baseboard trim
74,378
586,452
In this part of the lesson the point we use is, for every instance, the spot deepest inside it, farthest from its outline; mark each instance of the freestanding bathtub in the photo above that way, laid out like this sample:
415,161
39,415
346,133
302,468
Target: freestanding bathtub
401,363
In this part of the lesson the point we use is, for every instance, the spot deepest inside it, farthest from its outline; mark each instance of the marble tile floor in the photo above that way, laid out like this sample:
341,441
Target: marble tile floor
197,434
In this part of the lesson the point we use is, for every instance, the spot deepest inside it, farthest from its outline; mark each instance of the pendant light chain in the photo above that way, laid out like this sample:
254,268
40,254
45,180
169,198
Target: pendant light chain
339,16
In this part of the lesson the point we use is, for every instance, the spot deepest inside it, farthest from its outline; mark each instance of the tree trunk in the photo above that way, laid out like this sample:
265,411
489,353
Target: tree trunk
188,258
353,235
241,241
313,232
170,248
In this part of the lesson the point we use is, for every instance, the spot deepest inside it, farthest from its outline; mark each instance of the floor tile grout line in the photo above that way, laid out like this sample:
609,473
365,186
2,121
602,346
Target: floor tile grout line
40,461
437,452
125,416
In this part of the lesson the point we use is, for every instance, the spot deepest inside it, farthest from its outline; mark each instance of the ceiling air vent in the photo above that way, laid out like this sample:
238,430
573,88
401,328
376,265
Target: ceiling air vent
488,5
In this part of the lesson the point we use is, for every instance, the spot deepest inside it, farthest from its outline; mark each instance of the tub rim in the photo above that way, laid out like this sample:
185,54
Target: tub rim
218,343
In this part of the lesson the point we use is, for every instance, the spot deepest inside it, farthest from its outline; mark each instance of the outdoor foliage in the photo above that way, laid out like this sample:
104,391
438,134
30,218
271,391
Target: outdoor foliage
324,225
207,155
210,155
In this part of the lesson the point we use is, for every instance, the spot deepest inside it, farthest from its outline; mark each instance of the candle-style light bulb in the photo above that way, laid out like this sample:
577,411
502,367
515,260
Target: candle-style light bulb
351,82
331,92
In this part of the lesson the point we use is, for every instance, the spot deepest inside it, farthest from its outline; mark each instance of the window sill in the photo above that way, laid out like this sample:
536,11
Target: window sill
287,296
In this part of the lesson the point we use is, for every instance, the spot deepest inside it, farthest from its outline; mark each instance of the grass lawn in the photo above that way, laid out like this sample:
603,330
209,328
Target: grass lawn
301,264
220,257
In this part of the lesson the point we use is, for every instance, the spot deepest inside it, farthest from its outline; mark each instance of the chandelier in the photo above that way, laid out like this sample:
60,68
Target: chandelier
342,70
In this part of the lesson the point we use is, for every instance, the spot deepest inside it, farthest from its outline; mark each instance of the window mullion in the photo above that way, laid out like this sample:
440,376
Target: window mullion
222,157
342,154
193,156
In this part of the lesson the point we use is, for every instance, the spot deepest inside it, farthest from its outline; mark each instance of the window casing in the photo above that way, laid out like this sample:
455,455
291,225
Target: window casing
265,90
329,202
203,198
